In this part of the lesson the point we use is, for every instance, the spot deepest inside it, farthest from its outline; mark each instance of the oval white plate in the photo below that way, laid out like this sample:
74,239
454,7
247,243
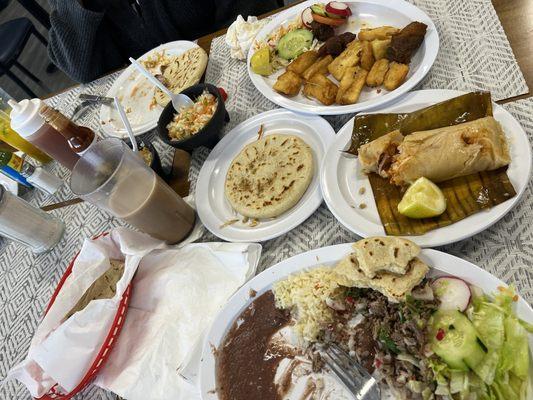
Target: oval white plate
372,13
441,263
135,93
211,204
341,178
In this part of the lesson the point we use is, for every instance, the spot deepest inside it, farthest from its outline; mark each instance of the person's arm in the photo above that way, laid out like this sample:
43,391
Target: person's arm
227,10
77,42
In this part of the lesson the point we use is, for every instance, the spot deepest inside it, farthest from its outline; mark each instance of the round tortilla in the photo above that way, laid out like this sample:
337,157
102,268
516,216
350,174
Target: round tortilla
184,71
269,176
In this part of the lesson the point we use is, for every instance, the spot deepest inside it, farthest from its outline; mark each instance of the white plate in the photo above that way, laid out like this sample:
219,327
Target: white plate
372,13
211,203
135,93
441,263
341,178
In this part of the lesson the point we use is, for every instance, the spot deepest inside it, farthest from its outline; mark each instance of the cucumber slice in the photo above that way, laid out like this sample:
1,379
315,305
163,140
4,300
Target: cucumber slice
319,9
292,44
454,339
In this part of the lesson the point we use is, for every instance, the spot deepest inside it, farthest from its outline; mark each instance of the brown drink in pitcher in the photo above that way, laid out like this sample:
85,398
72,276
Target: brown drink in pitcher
114,178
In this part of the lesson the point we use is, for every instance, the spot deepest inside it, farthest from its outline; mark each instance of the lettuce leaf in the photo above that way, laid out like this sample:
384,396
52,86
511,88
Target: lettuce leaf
488,321
487,368
515,350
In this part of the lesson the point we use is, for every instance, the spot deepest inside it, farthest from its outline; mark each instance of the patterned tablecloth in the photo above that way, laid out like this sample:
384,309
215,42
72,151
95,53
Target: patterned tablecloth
474,54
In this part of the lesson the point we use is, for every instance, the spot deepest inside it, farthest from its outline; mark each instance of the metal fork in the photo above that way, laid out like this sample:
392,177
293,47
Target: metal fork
356,379
87,101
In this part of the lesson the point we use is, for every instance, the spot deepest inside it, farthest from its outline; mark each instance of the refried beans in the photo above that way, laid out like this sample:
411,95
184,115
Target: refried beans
246,361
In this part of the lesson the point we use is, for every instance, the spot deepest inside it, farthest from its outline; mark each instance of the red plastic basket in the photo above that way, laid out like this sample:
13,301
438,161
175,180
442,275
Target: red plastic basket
107,346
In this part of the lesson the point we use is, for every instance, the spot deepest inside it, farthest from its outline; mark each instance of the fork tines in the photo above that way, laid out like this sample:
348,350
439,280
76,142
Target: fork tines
356,379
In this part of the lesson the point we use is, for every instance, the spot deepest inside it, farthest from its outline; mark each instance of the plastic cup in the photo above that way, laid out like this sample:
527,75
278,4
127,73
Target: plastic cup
22,222
112,177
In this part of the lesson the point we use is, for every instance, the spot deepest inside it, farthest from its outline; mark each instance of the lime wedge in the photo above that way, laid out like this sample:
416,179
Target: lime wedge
423,199
260,62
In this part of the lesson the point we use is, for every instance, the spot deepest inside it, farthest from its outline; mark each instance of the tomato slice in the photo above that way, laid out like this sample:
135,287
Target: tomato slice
328,21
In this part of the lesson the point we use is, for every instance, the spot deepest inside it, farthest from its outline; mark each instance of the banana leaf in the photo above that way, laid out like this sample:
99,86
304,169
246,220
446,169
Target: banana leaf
465,195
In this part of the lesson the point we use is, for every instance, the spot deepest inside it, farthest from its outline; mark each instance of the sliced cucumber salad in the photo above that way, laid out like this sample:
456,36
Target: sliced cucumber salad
483,351
294,43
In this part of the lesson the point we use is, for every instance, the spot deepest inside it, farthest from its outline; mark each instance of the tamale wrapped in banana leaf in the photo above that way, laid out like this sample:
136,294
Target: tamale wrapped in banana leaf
465,195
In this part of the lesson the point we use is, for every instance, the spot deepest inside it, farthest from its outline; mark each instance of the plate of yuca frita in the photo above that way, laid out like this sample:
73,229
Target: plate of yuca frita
262,179
342,57
425,324
438,167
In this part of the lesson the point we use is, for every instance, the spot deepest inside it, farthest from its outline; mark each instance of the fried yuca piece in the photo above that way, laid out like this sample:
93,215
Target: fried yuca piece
367,56
395,76
376,76
303,61
288,83
383,32
348,58
319,67
346,82
322,89
379,48
351,95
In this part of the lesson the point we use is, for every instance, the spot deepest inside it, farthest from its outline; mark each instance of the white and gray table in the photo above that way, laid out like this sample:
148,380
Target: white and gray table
474,54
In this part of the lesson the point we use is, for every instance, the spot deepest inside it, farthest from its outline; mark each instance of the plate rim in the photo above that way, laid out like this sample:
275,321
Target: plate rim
330,201
431,52
125,74
324,132
312,259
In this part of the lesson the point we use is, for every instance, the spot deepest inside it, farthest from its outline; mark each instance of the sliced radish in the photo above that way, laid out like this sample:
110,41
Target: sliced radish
307,17
453,293
338,8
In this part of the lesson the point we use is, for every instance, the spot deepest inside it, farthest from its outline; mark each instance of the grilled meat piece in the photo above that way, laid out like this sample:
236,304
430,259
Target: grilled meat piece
335,45
322,31
406,42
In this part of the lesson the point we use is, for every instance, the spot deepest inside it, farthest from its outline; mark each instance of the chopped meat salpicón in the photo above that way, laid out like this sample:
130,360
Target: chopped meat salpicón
375,331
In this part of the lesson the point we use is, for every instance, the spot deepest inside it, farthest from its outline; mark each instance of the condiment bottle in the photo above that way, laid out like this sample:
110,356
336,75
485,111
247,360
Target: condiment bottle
78,137
36,176
9,136
28,123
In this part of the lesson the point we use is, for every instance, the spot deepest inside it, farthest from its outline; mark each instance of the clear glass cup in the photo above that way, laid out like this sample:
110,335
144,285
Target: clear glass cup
26,224
114,178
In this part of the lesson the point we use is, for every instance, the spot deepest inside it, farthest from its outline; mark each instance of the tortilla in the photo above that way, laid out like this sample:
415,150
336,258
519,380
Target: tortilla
377,254
269,176
104,287
394,287
183,72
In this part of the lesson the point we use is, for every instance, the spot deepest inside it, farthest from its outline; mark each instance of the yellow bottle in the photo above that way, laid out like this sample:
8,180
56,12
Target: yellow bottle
12,138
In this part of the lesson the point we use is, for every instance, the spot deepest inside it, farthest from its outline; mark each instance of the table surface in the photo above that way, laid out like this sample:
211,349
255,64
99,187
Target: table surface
516,17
